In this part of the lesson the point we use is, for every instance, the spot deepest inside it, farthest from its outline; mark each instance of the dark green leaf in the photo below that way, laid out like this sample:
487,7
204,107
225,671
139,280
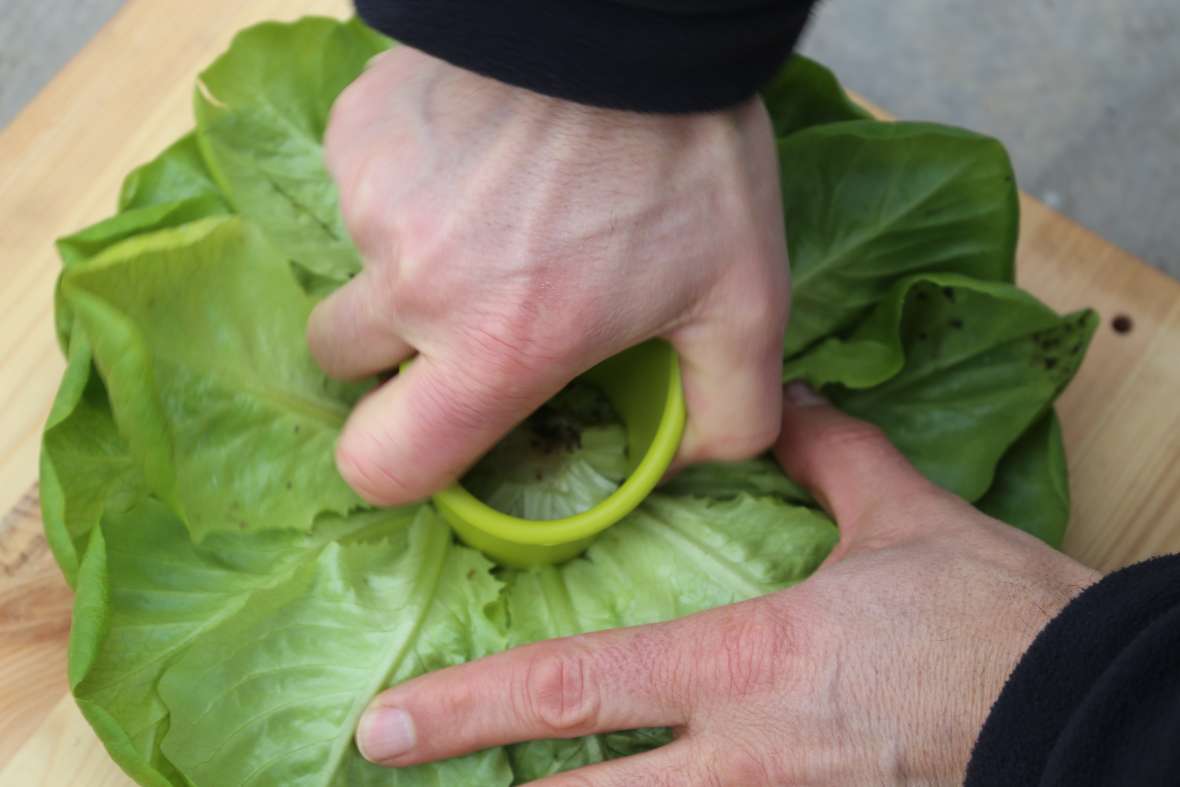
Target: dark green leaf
870,203
1031,490
805,94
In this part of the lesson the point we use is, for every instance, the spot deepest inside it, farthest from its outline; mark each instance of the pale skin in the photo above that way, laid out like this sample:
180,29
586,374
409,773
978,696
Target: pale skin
511,241
879,669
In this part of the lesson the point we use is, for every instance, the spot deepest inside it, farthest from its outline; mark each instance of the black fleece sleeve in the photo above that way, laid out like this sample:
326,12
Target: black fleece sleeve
647,55
1096,699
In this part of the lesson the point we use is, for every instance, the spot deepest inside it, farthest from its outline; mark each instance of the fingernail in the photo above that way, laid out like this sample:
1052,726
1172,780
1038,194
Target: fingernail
801,394
385,733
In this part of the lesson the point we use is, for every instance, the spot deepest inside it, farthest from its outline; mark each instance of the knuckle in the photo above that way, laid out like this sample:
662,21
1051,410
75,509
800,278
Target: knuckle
336,147
365,216
557,693
764,318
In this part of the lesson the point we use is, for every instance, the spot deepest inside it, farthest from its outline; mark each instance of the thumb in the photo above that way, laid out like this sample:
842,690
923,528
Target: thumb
420,431
731,369
849,465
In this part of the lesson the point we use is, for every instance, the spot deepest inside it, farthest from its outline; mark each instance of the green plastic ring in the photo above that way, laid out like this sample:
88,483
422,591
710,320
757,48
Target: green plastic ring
643,384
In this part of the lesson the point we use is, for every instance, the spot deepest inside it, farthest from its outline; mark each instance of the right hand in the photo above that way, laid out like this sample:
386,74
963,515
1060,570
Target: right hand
513,241
879,669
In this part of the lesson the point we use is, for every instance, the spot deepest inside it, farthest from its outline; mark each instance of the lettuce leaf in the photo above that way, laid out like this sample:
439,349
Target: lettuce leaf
86,467
869,203
1031,487
198,335
804,94
261,120
951,366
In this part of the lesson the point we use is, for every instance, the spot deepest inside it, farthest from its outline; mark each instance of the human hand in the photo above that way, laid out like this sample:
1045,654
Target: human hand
514,240
879,669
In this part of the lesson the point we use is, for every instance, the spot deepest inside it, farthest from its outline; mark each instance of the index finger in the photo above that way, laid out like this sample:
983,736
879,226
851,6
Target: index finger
564,688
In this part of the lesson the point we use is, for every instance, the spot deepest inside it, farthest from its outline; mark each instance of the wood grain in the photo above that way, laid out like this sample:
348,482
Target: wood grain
34,626
127,95
63,753
1121,415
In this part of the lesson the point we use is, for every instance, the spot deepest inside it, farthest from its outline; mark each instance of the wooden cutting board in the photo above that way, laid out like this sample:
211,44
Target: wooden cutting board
127,95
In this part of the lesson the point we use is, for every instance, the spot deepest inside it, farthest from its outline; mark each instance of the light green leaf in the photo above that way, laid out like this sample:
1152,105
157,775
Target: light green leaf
154,591
176,175
173,189
760,477
869,203
85,465
146,595
272,696
198,334
261,111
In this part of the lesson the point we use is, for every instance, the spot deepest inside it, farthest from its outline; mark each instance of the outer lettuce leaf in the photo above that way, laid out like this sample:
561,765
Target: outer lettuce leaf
869,203
198,334
85,464
805,94
939,318
144,592
1031,489
178,174
173,189
671,557
952,367
96,238
157,605
971,385
273,694
261,110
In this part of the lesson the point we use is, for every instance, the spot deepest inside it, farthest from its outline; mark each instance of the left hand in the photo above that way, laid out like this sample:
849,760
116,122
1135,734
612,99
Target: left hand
880,669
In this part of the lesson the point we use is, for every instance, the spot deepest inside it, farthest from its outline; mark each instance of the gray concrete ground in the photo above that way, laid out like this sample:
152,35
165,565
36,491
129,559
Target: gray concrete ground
37,37
1085,94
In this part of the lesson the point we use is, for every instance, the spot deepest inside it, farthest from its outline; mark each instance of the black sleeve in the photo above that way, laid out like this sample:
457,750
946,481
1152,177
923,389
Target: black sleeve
1096,699
647,55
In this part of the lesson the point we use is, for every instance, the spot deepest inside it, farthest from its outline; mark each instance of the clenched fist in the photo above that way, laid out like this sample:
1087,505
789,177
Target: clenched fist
513,240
